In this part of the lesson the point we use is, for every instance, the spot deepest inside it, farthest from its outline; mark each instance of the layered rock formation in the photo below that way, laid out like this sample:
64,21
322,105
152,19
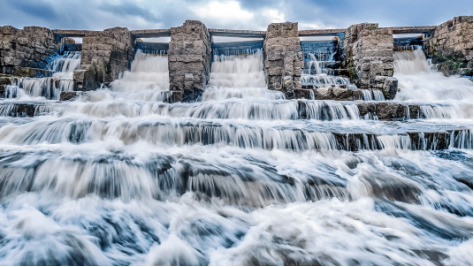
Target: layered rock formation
189,56
450,46
104,56
284,59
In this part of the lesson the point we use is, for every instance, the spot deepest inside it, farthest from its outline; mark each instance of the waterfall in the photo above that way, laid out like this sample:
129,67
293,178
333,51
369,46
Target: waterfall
315,73
238,76
148,75
122,176
418,82
62,68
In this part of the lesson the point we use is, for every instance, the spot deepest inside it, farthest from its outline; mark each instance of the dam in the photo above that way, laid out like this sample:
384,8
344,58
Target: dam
355,150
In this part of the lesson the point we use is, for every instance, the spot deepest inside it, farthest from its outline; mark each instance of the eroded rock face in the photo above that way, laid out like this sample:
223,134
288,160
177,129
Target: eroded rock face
284,59
388,111
450,46
27,47
104,56
331,93
189,58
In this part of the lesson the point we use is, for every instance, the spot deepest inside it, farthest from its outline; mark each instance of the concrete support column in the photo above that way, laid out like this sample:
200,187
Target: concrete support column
105,56
283,58
189,56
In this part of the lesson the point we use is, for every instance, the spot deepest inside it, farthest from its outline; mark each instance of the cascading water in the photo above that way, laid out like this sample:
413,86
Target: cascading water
439,96
62,68
244,177
315,73
418,82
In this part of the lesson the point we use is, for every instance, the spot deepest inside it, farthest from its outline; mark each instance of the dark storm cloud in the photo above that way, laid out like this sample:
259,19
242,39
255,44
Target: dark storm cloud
36,8
128,9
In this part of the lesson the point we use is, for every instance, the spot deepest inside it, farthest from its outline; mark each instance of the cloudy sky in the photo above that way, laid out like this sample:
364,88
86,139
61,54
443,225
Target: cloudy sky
232,14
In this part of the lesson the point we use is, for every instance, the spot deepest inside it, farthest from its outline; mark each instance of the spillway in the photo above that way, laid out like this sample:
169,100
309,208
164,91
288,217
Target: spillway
47,88
244,176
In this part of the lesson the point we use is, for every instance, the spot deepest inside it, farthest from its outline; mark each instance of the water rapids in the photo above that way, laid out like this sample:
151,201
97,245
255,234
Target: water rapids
242,177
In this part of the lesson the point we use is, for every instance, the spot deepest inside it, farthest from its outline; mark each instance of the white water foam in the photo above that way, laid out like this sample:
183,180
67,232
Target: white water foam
246,177
418,82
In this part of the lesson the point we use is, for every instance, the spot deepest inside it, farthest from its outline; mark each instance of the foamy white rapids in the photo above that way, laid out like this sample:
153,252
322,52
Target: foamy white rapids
238,76
238,71
148,73
418,82
40,89
243,176
315,73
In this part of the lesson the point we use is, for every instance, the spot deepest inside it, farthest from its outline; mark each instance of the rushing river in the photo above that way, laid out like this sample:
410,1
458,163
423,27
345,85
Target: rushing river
119,177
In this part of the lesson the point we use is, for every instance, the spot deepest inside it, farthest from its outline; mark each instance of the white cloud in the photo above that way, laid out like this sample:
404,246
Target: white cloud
228,12
314,25
275,16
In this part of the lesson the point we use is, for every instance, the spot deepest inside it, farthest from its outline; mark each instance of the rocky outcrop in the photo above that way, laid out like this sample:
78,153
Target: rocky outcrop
369,55
167,96
284,59
450,46
28,47
337,93
104,56
389,111
65,96
388,86
189,57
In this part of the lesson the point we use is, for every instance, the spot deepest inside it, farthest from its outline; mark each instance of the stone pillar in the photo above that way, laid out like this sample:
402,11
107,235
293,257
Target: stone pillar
369,57
189,57
104,57
27,48
283,58
450,46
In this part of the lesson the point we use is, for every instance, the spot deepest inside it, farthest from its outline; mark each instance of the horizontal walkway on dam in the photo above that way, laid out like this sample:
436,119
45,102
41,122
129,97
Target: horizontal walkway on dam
154,33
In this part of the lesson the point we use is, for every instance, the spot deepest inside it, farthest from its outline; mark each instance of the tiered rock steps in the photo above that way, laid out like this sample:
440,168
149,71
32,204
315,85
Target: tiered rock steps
299,109
209,123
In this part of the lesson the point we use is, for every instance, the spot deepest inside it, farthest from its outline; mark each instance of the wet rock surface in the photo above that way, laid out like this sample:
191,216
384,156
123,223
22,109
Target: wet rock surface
27,47
284,59
104,56
65,96
368,53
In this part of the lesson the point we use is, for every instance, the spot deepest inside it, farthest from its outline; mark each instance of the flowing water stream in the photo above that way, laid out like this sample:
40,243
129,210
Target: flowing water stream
243,177
61,67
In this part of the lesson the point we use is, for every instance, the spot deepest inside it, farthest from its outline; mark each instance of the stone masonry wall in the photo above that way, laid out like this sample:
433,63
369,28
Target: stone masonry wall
450,46
104,56
189,59
284,59
369,56
26,48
